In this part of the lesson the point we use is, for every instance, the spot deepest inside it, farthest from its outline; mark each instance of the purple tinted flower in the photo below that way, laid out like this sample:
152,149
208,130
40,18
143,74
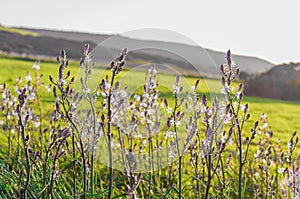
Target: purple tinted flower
222,70
228,57
255,125
204,101
246,109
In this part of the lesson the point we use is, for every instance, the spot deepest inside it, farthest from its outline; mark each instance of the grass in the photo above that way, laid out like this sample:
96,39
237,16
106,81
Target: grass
282,114
18,31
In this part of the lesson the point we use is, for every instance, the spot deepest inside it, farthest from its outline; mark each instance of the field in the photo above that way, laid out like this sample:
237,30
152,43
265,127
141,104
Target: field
283,114
91,182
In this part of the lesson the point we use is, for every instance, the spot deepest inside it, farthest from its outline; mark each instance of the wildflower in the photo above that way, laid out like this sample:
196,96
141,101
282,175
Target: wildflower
225,90
223,139
73,105
237,94
265,125
48,88
278,141
169,110
242,107
194,88
257,154
104,94
238,152
31,96
235,104
176,123
1,122
176,89
36,65
149,122
230,141
263,116
116,145
36,124
19,80
208,140
144,142
169,134
281,170
172,154
289,145
28,77
4,96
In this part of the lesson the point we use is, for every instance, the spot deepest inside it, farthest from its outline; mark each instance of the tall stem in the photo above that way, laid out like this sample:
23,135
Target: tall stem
84,168
240,147
208,176
93,150
180,177
28,170
294,181
240,161
178,148
81,148
74,165
9,137
110,167
150,173
37,101
109,137
53,172
151,160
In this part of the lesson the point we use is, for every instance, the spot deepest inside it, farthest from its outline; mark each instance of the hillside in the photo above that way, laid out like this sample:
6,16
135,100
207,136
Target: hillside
187,59
39,45
281,82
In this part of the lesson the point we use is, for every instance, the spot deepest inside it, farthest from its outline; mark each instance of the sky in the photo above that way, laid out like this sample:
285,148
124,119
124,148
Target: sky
263,28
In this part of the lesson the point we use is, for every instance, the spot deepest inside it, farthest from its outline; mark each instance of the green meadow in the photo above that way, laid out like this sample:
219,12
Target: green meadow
283,119
283,116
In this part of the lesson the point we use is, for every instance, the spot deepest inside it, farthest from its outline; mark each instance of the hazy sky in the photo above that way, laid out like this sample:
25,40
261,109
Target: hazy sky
268,29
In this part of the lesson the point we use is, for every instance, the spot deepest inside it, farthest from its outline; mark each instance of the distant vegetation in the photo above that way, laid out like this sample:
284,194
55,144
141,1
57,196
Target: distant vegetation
281,82
18,31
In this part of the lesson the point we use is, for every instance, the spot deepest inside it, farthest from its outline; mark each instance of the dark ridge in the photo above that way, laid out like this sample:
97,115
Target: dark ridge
42,45
281,82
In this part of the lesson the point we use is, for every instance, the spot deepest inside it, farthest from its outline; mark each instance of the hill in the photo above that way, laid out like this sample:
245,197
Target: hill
187,59
281,82
13,42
